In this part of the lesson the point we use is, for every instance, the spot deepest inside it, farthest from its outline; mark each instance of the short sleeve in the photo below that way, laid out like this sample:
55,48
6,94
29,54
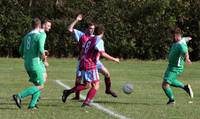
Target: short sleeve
40,44
185,40
183,49
99,45
78,34
43,37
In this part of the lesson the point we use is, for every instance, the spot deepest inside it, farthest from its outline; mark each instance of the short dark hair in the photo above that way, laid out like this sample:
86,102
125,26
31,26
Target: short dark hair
178,31
89,24
99,29
36,22
44,21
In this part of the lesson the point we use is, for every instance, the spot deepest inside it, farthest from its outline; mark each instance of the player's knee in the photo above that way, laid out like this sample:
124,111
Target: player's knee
78,81
165,85
40,87
96,85
87,85
106,73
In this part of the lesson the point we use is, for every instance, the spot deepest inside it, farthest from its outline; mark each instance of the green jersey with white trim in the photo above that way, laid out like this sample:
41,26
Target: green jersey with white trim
31,49
43,37
184,40
177,54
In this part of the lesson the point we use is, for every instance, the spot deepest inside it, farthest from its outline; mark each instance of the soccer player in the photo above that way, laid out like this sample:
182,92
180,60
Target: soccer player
45,27
81,38
92,50
32,49
177,56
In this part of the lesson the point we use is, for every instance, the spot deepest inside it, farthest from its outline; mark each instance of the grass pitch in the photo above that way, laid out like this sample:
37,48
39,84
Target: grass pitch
148,101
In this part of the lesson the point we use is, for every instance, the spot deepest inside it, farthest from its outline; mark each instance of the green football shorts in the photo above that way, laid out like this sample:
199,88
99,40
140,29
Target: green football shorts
43,67
36,76
171,75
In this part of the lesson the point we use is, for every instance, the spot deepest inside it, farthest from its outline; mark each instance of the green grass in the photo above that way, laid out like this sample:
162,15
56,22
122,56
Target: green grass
148,101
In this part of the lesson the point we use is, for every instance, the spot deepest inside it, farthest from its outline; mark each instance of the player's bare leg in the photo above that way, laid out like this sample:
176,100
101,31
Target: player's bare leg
107,81
79,88
91,94
77,93
168,91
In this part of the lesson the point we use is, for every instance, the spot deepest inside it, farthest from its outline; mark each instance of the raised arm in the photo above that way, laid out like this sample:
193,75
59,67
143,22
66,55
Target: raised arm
71,26
187,39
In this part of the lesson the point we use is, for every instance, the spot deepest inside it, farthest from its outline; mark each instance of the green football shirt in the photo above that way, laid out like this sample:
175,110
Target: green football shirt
31,49
177,54
43,37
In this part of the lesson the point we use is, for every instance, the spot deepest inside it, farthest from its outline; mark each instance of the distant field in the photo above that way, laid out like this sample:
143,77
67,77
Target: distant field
148,101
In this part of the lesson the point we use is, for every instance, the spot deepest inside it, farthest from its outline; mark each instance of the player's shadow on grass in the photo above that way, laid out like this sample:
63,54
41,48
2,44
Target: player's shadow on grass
126,103
111,102
7,106
7,103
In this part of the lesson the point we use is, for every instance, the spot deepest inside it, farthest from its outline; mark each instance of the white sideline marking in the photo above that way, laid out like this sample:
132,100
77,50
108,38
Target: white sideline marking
98,106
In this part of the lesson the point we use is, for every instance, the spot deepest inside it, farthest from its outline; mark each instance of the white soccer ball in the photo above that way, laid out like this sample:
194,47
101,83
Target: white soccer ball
127,88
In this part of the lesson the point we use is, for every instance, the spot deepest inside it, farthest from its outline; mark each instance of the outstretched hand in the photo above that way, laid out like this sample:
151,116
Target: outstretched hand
117,60
46,52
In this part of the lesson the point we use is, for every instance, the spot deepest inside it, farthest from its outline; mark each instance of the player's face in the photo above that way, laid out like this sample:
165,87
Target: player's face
102,34
91,29
47,26
177,37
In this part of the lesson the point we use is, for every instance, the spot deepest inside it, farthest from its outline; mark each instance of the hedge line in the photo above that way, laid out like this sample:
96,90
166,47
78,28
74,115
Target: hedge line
134,28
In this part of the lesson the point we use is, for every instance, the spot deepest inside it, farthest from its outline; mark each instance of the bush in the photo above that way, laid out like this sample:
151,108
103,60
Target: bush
134,29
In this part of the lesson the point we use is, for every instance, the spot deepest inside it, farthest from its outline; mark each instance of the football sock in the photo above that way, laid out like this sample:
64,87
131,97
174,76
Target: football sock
34,99
168,91
178,84
28,91
78,88
107,83
77,92
90,95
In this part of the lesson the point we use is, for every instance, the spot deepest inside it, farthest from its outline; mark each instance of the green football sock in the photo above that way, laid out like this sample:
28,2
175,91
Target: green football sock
169,93
34,99
178,84
28,91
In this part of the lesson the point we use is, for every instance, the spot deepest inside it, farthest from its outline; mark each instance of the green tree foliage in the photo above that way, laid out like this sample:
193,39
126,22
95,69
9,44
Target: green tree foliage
13,24
134,28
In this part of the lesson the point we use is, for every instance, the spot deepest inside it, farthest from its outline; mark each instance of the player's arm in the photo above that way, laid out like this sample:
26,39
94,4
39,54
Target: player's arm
41,48
107,56
187,56
42,42
43,39
184,52
100,47
46,52
71,26
76,33
187,39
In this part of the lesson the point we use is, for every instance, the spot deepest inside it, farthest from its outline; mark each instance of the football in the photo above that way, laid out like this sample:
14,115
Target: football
127,88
